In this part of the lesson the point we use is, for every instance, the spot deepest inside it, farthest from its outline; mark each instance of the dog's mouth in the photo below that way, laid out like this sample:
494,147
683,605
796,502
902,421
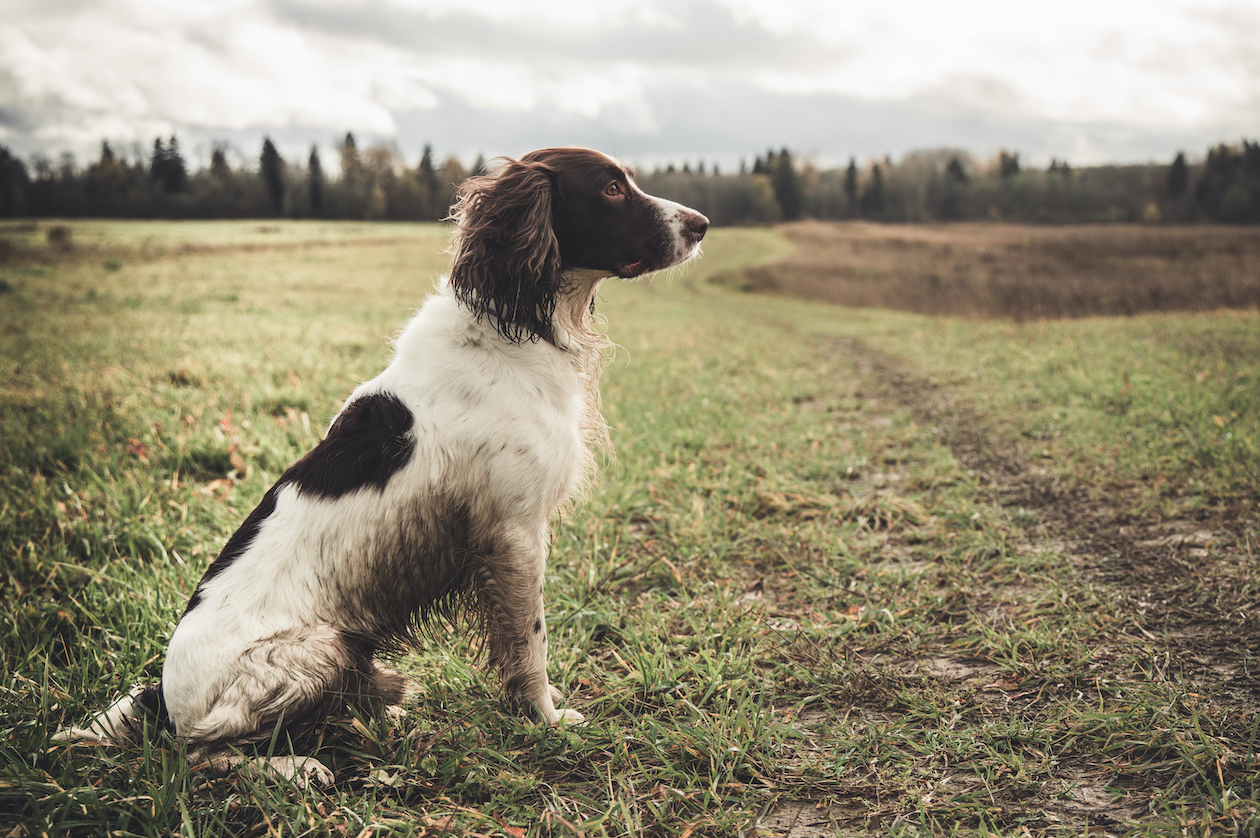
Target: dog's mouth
625,270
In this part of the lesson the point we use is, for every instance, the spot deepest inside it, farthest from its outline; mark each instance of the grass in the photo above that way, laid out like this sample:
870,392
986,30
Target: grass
851,572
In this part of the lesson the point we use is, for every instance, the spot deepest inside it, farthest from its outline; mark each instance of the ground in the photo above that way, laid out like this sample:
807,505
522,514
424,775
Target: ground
853,570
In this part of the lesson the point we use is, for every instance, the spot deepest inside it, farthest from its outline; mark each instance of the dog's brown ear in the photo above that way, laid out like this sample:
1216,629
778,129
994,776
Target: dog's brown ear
507,259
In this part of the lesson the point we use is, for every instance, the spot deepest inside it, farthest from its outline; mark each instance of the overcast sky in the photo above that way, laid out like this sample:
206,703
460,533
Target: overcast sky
1090,81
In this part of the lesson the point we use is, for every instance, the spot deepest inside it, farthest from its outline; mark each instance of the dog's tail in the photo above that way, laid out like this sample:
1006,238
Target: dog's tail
125,719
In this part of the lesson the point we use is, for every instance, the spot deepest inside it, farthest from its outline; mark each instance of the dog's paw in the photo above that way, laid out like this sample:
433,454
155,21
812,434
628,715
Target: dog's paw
301,771
80,736
567,718
560,718
313,771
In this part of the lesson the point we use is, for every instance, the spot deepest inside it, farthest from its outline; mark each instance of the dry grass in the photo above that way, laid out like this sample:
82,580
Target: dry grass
1017,271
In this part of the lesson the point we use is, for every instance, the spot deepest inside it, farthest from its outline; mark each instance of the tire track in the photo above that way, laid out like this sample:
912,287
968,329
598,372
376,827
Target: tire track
1185,581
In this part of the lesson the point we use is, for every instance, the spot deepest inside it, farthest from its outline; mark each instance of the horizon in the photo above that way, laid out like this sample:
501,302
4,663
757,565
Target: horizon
137,152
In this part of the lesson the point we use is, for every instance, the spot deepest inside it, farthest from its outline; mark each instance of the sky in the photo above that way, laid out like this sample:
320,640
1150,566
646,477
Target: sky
650,81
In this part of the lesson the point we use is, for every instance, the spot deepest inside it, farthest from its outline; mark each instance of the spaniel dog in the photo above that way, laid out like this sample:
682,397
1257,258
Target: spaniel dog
432,491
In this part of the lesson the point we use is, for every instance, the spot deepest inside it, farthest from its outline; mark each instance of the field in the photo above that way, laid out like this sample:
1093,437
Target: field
1018,271
853,571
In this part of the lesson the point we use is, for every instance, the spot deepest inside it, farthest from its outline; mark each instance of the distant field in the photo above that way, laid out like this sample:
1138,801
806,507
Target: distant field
1018,271
854,571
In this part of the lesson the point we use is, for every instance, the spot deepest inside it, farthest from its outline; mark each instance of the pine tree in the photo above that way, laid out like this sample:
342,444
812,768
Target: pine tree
351,165
1008,164
787,186
873,194
105,184
954,171
271,167
430,196
426,170
1218,175
157,161
176,170
166,166
1251,159
1178,176
14,184
851,182
954,190
315,175
220,170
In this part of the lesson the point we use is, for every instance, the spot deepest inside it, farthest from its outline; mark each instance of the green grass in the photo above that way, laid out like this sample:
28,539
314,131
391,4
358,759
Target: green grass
791,603
1165,400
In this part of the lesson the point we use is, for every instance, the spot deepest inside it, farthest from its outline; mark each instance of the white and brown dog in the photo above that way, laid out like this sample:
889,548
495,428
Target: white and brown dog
434,487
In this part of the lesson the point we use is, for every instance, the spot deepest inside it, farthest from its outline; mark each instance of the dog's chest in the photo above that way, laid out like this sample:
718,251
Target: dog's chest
503,428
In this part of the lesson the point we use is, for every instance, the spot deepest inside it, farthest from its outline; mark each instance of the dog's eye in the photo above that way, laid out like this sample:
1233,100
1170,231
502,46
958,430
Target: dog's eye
613,190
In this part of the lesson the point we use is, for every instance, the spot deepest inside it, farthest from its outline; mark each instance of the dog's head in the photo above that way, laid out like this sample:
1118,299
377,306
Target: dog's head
522,232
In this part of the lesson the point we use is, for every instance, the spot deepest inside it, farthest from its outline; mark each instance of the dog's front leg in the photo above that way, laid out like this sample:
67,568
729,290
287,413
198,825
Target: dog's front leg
517,628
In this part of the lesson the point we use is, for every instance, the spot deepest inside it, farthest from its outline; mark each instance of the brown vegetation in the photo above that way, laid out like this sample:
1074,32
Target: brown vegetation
1017,271
60,237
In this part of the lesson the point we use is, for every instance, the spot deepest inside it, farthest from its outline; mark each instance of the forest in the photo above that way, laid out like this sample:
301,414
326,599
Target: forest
377,183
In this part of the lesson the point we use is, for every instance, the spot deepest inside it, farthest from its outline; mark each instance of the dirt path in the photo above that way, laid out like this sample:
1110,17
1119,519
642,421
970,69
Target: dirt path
1187,581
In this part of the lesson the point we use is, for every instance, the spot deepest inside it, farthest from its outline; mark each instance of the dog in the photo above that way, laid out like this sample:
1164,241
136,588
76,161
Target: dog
433,490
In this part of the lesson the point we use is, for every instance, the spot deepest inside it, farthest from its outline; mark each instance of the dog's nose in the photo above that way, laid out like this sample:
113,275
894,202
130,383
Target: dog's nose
697,225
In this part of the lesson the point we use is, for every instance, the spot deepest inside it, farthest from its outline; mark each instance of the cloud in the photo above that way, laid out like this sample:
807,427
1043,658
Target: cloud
696,121
646,79
698,35
1238,28
104,73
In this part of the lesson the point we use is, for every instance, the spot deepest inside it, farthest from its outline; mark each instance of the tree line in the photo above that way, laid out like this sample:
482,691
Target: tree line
951,185
376,183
